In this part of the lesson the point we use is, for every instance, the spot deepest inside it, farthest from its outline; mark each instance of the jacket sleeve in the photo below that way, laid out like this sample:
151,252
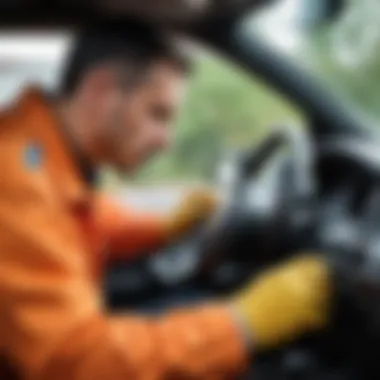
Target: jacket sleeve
130,232
52,322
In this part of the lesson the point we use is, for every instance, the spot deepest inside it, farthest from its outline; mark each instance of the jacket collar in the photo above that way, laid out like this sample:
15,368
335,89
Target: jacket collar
62,163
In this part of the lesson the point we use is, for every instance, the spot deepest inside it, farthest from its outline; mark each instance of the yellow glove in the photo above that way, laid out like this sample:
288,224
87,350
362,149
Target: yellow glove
196,206
285,302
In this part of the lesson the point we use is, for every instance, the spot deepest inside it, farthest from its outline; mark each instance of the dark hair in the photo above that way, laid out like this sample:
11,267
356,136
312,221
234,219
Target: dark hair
132,43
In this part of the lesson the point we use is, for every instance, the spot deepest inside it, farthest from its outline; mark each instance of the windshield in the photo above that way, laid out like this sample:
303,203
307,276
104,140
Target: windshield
343,52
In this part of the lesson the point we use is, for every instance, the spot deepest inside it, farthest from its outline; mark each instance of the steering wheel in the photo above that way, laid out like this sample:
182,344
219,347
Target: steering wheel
274,195
272,200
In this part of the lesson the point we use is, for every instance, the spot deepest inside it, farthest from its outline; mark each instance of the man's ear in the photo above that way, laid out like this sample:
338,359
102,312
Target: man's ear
98,81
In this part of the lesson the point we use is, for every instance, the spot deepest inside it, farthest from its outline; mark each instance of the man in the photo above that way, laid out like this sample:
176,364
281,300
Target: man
119,95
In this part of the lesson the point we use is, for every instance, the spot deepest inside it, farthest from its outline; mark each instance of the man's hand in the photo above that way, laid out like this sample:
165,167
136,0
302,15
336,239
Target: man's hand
195,207
285,302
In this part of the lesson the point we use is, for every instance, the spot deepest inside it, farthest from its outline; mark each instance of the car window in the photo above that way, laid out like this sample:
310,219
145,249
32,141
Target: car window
30,58
341,52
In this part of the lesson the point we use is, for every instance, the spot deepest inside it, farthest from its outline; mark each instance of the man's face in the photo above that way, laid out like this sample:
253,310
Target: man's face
135,124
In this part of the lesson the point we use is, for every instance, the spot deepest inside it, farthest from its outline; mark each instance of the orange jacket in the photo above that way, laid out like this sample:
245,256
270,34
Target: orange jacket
52,237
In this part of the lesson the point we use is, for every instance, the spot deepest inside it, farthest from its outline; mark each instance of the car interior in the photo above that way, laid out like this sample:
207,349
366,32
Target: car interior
308,188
